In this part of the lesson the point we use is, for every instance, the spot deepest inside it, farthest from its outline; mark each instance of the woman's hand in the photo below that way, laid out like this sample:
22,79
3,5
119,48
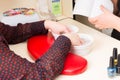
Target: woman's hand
106,20
75,39
56,27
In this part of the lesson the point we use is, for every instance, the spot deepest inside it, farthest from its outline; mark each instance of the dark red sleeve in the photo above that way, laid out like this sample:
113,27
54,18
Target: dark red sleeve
50,65
21,32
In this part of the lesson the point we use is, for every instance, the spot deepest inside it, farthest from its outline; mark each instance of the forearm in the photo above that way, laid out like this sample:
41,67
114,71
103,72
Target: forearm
47,67
21,32
53,61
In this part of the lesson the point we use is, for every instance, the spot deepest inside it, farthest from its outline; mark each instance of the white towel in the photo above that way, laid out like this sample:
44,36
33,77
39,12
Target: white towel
91,8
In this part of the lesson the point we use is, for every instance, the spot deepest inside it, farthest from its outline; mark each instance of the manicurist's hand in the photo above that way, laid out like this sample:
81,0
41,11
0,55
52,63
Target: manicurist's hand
75,39
106,20
56,27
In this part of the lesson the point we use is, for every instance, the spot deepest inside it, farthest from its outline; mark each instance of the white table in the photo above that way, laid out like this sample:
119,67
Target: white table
98,58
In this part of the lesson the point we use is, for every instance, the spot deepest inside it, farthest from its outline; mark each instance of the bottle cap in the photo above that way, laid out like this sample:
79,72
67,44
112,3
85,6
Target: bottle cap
115,53
111,63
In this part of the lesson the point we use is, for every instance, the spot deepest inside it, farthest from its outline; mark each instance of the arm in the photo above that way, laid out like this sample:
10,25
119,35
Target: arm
47,67
53,61
21,32
106,20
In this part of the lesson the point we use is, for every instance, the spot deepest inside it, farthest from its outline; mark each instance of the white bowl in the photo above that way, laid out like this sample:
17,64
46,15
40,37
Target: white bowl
73,28
86,47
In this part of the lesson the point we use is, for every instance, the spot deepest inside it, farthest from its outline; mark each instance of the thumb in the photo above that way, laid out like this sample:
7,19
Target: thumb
103,9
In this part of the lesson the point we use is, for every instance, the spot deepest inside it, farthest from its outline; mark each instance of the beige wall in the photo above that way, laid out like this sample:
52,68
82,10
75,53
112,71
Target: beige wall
67,8
8,4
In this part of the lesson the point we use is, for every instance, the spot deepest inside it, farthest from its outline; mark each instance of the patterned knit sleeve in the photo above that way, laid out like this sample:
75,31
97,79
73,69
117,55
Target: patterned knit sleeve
51,64
21,32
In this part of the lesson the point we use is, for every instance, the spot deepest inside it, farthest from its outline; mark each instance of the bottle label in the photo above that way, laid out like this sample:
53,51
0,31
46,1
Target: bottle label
56,7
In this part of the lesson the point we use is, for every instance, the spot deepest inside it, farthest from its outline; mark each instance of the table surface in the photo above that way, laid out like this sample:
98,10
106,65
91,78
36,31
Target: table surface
98,57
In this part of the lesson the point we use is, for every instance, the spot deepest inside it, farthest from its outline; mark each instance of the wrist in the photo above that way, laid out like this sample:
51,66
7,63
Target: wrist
47,23
117,23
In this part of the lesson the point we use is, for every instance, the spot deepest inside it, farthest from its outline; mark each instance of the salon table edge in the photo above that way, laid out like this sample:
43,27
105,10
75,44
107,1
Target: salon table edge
98,57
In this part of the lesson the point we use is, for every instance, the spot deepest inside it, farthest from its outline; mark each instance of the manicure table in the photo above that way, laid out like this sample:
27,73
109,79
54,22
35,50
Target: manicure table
97,59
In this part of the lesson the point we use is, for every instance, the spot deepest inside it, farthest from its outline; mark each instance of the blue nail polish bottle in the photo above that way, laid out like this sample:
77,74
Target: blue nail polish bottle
111,69
118,65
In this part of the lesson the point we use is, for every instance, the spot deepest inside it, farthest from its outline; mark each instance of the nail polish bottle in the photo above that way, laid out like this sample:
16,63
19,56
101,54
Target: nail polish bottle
118,65
115,55
111,69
